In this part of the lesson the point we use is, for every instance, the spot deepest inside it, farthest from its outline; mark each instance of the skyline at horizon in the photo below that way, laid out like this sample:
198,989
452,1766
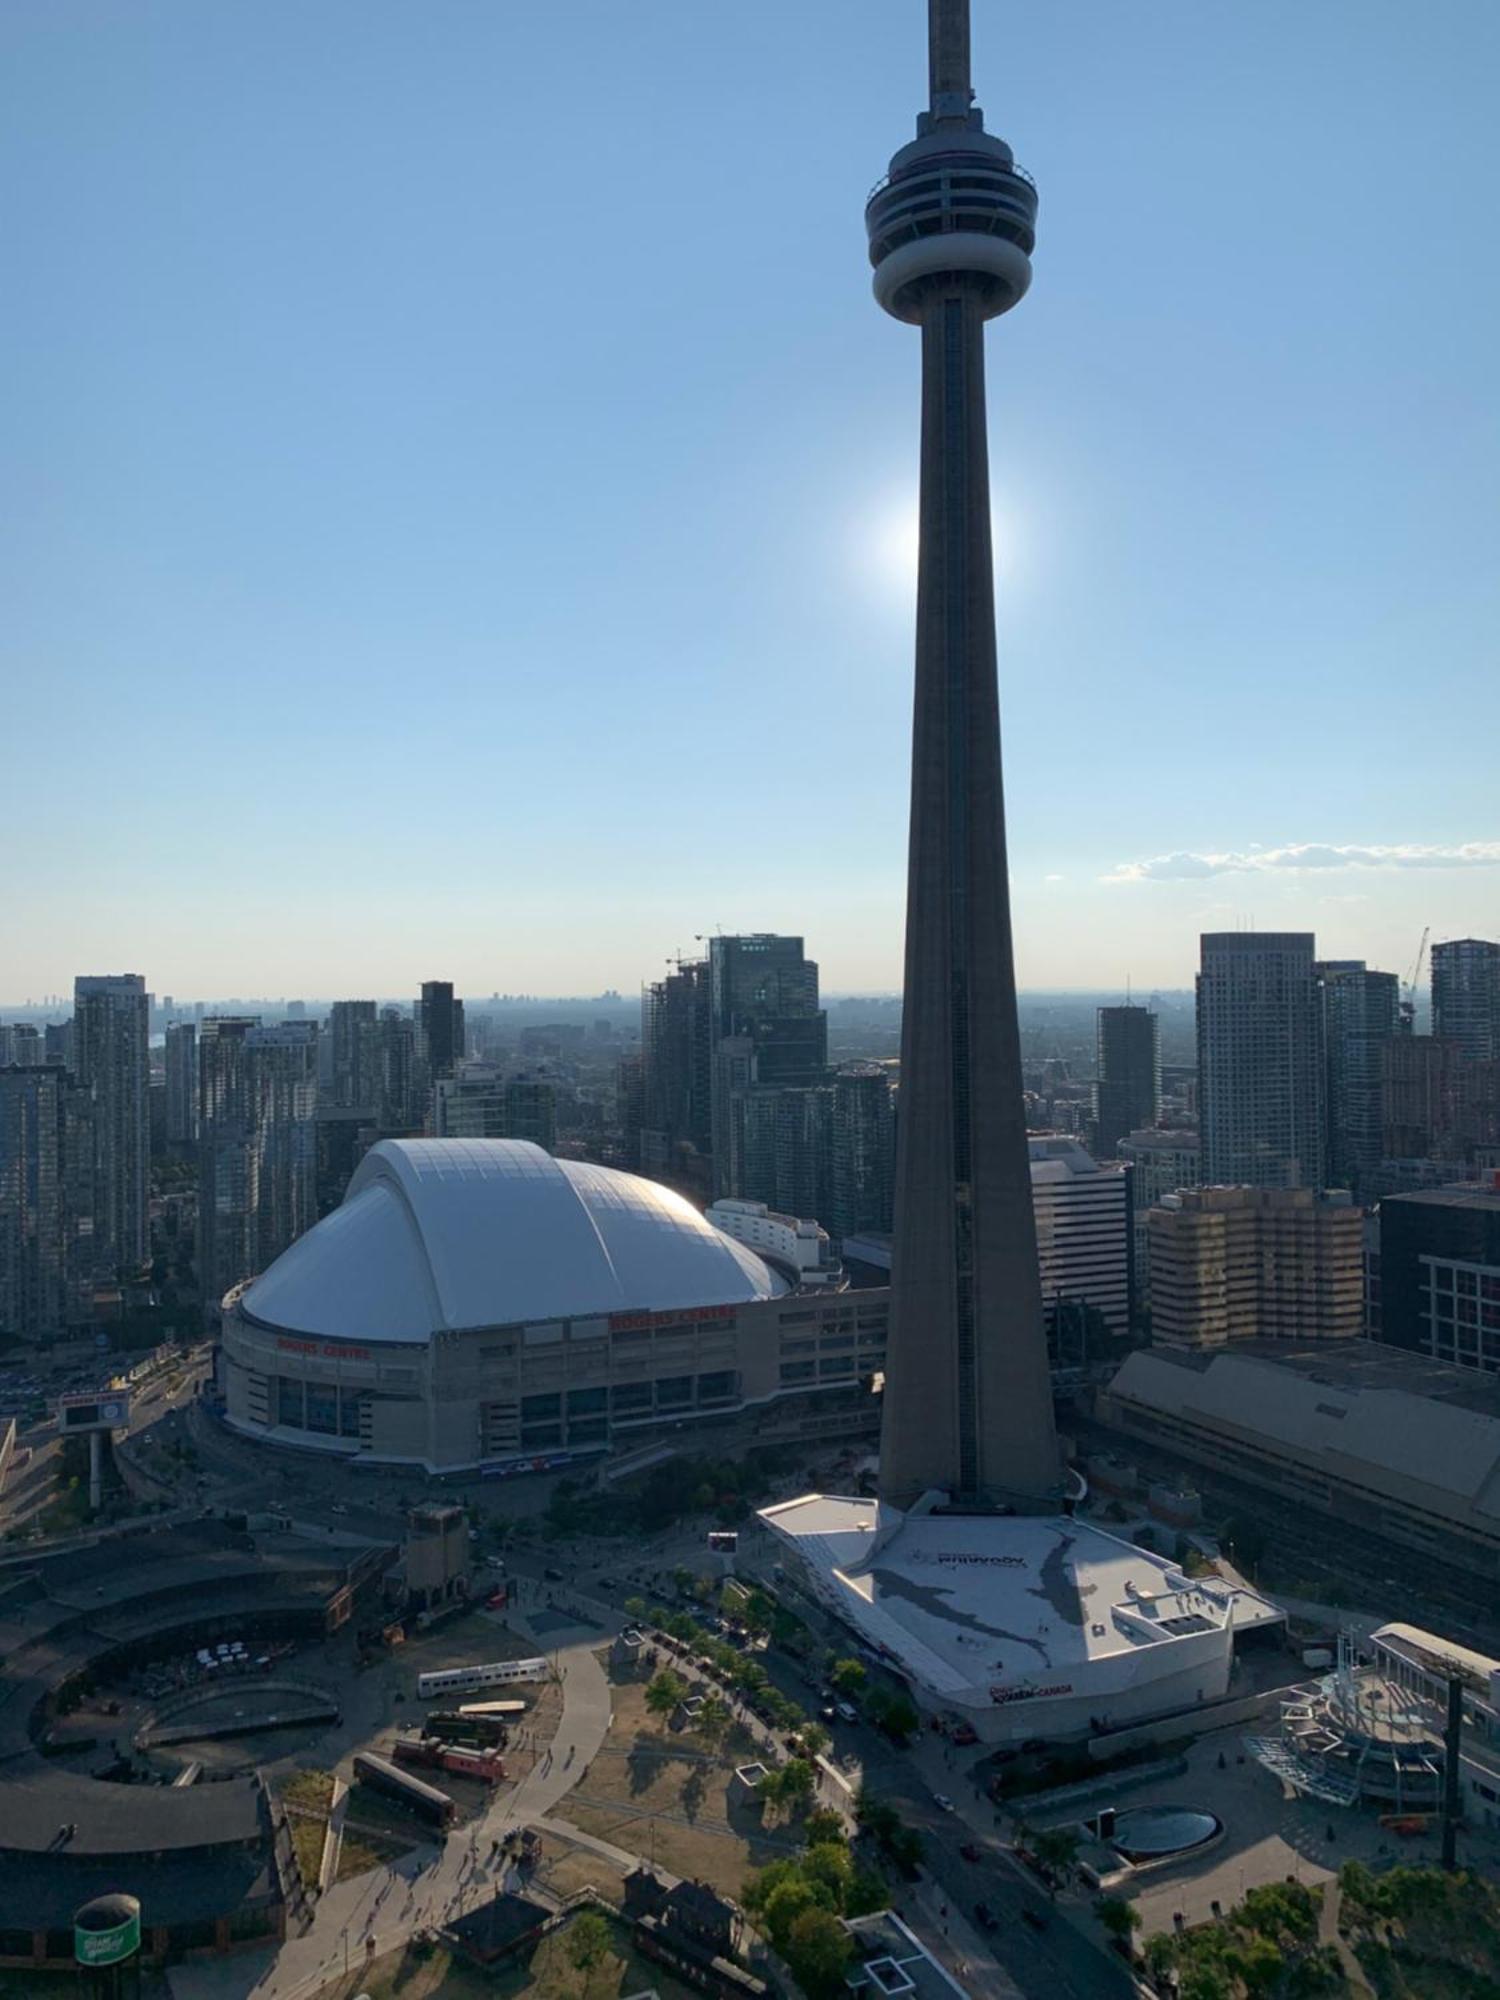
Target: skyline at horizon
304,553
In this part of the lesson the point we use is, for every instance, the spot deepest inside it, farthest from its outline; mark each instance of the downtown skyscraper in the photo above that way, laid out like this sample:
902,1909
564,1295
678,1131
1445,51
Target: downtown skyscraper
1127,1086
968,1403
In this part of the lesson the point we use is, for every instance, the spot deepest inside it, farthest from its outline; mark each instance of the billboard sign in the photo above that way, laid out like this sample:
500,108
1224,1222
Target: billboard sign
94,1410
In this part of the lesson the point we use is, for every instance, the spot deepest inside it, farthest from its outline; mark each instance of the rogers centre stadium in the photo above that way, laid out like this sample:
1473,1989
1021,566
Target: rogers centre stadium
476,1305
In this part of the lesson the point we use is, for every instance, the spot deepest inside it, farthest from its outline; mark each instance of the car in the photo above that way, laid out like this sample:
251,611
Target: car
553,1575
985,1917
971,1851
943,1802
828,1713
846,1711
607,1583
1036,1918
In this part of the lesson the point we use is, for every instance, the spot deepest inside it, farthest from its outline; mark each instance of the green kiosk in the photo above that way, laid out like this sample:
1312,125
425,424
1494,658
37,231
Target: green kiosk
107,1945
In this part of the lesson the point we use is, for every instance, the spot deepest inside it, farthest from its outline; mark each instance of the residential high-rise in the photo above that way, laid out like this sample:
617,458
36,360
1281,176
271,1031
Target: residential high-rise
33,1234
227,1181
1437,1102
400,1101
440,1030
1361,1012
864,1151
676,1055
480,1102
257,1145
1260,1060
21,1045
1127,1082
968,1403
1466,996
182,1084
355,1063
111,1041
284,1074
1160,1162
779,1148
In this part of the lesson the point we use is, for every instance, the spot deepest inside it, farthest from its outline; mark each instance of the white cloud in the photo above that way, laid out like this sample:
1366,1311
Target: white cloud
1257,860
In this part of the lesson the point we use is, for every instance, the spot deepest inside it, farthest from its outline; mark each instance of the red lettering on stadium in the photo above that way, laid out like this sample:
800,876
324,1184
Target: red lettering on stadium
331,1349
633,1322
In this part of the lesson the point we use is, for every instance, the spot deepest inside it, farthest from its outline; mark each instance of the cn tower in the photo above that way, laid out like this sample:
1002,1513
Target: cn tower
968,1405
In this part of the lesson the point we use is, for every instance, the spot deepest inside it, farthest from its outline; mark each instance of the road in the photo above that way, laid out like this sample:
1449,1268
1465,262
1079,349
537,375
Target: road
1057,1962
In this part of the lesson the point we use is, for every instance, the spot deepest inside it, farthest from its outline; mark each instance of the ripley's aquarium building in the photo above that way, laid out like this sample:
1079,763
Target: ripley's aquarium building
475,1305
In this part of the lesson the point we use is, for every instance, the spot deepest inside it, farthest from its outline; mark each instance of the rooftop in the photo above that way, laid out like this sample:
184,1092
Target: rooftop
1483,1195
996,1601
437,1235
1390,1421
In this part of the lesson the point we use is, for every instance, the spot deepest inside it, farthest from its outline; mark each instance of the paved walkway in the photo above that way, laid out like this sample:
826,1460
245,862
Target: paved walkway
622,1857
422,1888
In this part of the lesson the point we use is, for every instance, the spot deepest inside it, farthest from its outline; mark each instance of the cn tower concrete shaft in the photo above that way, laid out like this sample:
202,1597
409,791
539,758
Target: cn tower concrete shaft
968,1405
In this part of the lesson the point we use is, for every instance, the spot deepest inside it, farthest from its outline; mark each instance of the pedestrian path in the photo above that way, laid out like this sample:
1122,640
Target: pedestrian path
377,1911
562,1829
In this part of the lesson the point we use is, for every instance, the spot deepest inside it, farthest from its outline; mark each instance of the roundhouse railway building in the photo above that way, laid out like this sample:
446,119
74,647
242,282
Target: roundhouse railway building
202,1859
476,1303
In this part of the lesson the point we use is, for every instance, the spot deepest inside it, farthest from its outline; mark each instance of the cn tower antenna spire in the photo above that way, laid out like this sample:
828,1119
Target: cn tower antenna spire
948,57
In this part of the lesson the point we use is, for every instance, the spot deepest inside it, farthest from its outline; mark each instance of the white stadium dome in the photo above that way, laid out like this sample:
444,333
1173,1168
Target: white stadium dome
442,1235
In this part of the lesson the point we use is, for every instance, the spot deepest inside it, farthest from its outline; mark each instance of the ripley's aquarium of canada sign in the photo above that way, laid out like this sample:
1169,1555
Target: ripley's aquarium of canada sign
107,1947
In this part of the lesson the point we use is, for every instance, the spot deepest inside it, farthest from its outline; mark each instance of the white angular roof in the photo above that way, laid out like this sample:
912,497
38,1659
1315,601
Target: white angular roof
439,1234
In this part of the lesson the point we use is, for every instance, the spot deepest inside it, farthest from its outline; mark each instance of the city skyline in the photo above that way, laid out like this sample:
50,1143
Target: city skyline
287,524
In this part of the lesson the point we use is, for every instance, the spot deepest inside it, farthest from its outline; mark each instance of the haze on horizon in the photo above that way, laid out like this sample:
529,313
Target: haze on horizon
461,489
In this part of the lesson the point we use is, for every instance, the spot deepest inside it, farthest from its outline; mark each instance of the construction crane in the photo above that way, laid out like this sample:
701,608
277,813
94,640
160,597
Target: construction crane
1409,1002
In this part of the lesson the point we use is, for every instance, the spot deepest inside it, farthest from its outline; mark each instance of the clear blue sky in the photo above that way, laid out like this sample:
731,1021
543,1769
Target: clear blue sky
458,486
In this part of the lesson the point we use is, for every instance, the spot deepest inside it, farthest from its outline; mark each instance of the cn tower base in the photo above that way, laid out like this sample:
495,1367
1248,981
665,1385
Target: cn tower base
1018,1626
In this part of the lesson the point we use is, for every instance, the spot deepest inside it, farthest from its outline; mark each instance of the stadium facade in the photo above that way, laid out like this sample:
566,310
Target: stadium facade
475,1304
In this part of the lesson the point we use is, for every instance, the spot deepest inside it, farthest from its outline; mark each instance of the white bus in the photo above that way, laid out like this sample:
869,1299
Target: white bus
501,1711
458,1680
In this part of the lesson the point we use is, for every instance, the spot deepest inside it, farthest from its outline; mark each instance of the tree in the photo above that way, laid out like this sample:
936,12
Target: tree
588,1944
1160,1954
1056,1849
818,1950
849,1677
783,1904
635,1607
901,1720
683,1578
664,1692
813,1739
824,1829
757,1612
1261,1966
1121,1919
712,1721
831,1868
1205,1982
